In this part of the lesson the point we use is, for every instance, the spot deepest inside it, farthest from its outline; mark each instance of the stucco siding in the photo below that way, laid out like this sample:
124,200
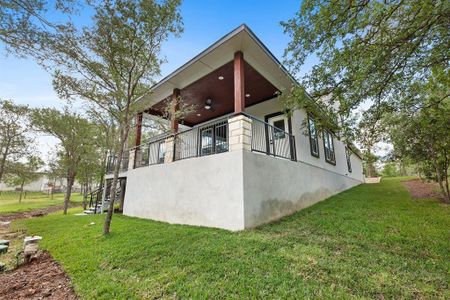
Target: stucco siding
205,191
274,187
265,108
298,118
304,150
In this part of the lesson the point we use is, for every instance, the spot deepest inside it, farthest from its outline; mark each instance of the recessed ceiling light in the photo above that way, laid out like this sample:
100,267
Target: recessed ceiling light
247,95
199,115
220,77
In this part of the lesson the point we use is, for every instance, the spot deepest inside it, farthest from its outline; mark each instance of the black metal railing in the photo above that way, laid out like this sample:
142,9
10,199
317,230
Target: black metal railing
206,139
151,152
95,199
213,138
271,140
112,160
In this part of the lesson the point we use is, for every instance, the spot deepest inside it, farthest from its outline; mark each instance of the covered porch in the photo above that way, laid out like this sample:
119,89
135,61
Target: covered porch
221,121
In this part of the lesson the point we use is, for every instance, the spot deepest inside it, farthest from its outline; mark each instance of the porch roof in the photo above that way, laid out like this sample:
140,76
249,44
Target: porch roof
198,79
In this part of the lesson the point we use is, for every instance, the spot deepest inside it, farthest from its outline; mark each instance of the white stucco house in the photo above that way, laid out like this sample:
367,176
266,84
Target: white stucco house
238,161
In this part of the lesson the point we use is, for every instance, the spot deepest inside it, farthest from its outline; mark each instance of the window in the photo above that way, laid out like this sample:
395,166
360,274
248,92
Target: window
279,129
328,145
214,139
206,136
161,152
221,138
348,153
313,137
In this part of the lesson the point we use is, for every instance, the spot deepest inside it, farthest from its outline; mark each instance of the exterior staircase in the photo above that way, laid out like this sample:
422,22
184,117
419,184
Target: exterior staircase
96,206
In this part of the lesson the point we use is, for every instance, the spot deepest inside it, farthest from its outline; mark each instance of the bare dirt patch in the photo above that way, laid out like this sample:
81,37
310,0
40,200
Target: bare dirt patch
423,190
6,217
43,278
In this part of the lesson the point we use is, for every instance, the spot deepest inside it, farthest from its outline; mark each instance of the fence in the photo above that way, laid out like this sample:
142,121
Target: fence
207,139
15,195
271,140
112,160
151,152
213,138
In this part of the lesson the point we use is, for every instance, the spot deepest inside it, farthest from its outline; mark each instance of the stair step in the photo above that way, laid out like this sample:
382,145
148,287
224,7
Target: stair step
3,248
4,242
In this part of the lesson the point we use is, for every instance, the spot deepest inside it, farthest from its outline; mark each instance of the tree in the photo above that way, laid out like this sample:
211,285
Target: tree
371,130
23,173
111,63
14,129
91,167
421,130
390,169
75,136
23,21
367,50
55,169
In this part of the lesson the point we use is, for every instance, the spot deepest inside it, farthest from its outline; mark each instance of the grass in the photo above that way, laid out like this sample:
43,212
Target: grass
9,201
371,241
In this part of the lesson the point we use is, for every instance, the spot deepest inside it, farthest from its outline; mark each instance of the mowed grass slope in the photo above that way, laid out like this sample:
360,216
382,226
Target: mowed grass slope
372,241
9,201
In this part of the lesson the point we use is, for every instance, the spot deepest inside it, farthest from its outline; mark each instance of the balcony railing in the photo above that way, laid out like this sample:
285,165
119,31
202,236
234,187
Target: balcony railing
112,160
151,152
271,140
207,139
213,138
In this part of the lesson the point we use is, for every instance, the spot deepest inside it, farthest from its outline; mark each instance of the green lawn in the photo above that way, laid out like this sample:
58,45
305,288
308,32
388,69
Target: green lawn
372,241
9,201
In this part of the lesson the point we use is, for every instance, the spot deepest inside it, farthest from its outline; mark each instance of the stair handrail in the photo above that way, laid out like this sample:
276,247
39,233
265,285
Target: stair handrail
95,193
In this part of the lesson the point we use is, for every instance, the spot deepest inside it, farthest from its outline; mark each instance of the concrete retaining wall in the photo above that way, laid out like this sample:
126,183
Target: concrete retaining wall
275,187
205,191
233,190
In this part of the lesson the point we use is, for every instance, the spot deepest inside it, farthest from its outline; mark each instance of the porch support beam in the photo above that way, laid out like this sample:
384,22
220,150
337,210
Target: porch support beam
138,129
239,93
175,102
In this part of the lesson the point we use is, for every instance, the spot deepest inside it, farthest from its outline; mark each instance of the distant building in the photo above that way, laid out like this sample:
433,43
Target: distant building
43,184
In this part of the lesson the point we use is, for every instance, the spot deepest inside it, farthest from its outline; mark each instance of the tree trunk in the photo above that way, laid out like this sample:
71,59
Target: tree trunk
102,173
402,168
438,173
447,186
123,138
21,191
445,175
369,164
84,197
70,180
2,164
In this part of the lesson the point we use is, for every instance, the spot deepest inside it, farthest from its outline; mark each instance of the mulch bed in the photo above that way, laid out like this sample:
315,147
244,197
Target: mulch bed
43,278
423,190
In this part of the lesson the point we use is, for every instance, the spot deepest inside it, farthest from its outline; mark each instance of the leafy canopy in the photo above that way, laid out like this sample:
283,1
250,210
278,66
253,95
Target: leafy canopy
420,131
23,173
15,141
368,50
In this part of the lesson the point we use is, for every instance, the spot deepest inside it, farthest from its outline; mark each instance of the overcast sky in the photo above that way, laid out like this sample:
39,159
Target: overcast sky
205,22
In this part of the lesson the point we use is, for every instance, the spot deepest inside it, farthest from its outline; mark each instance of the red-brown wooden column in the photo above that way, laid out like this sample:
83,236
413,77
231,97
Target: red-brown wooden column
138,129
173,119
239,93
